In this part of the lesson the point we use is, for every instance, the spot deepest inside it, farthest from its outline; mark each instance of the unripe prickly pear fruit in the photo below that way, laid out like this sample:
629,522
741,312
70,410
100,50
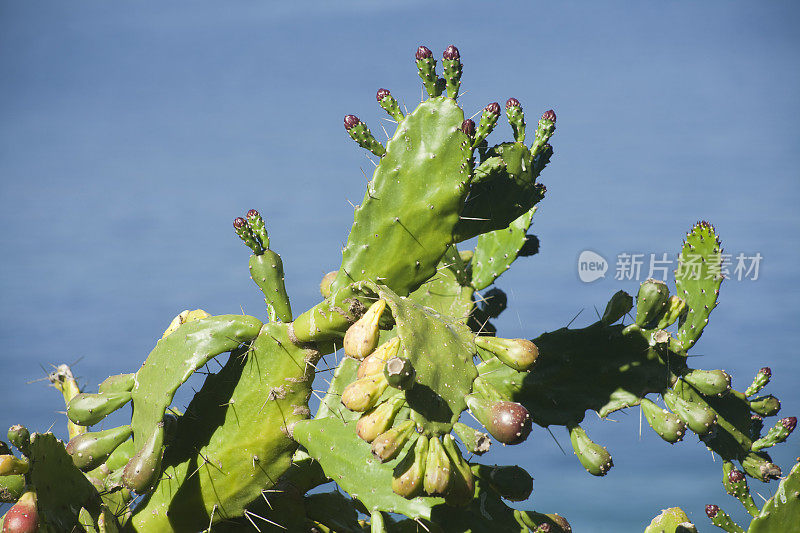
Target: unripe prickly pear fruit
776,434
379,420
327,281
362,337
618,306
511,482
676,308
735,484
362,394
90,450
88,409
699,418
256,223
519,354
651,302
245,232
389,103
20,437
360,133
516,118
765,405
451,63
409,474
760,466
487,123
462,484
399,373
374,362
709,382
118,383
388,444
721,519
495,302
759,382
426,67
669,426
594,458
508,422
475,441
142,470
544,130
437,468
13,466
23,517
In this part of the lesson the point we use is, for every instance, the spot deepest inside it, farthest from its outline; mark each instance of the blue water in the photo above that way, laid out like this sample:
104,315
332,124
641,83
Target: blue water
132,135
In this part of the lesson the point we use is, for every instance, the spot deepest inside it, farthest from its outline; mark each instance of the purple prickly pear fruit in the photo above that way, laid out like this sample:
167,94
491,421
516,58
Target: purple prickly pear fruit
379,420
512,102
362,394
451,53
253,213
327,281
519,354
400,373
736,476
388,444
351,121
362,337
790,422
423,52
409,474
493,108
508,422
382,93
437,469
549,115
712,510
767,371
468,127
239,223
23,517
20,437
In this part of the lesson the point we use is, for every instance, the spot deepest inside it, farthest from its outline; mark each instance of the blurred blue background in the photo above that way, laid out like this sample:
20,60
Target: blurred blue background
132,135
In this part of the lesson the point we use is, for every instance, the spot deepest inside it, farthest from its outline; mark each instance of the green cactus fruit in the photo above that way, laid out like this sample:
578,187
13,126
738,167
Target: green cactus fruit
508,422
11,488
409,474
511,482
362,394
676,308
389,104
519,354
594,458
672,520
88,409
325,284
362,337
426,66
765,405
462,484
437,469
23,517
759,382
12,466
90,450
668,425
494,302
735,483
399,373
256,223
516,118
699,418
651,302
20,437
451,63
544,130
360,133
722,520
374,362
618,306
474,441
245,232
709,382
379,420
776,434
760,466
388,444
144,468
487,123
118,383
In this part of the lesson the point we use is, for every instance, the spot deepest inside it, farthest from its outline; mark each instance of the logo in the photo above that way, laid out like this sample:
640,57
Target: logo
591,266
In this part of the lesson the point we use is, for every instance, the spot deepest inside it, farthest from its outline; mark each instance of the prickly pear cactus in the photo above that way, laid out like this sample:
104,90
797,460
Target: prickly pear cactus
414,350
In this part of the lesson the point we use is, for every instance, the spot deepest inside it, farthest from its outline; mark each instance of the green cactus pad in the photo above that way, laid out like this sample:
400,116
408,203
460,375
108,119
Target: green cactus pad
406,220
672,520
176,357
266,270
446,295
497,249
242,417
697,279
782,511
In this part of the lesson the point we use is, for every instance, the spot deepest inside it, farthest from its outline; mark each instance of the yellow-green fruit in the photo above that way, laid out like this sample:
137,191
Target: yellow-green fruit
11,466
409,474
437,468
362,337
362,394
373,363
388,444
380,419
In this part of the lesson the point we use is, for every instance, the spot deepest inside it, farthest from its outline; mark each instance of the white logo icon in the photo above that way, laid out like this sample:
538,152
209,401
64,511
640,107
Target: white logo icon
591,266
